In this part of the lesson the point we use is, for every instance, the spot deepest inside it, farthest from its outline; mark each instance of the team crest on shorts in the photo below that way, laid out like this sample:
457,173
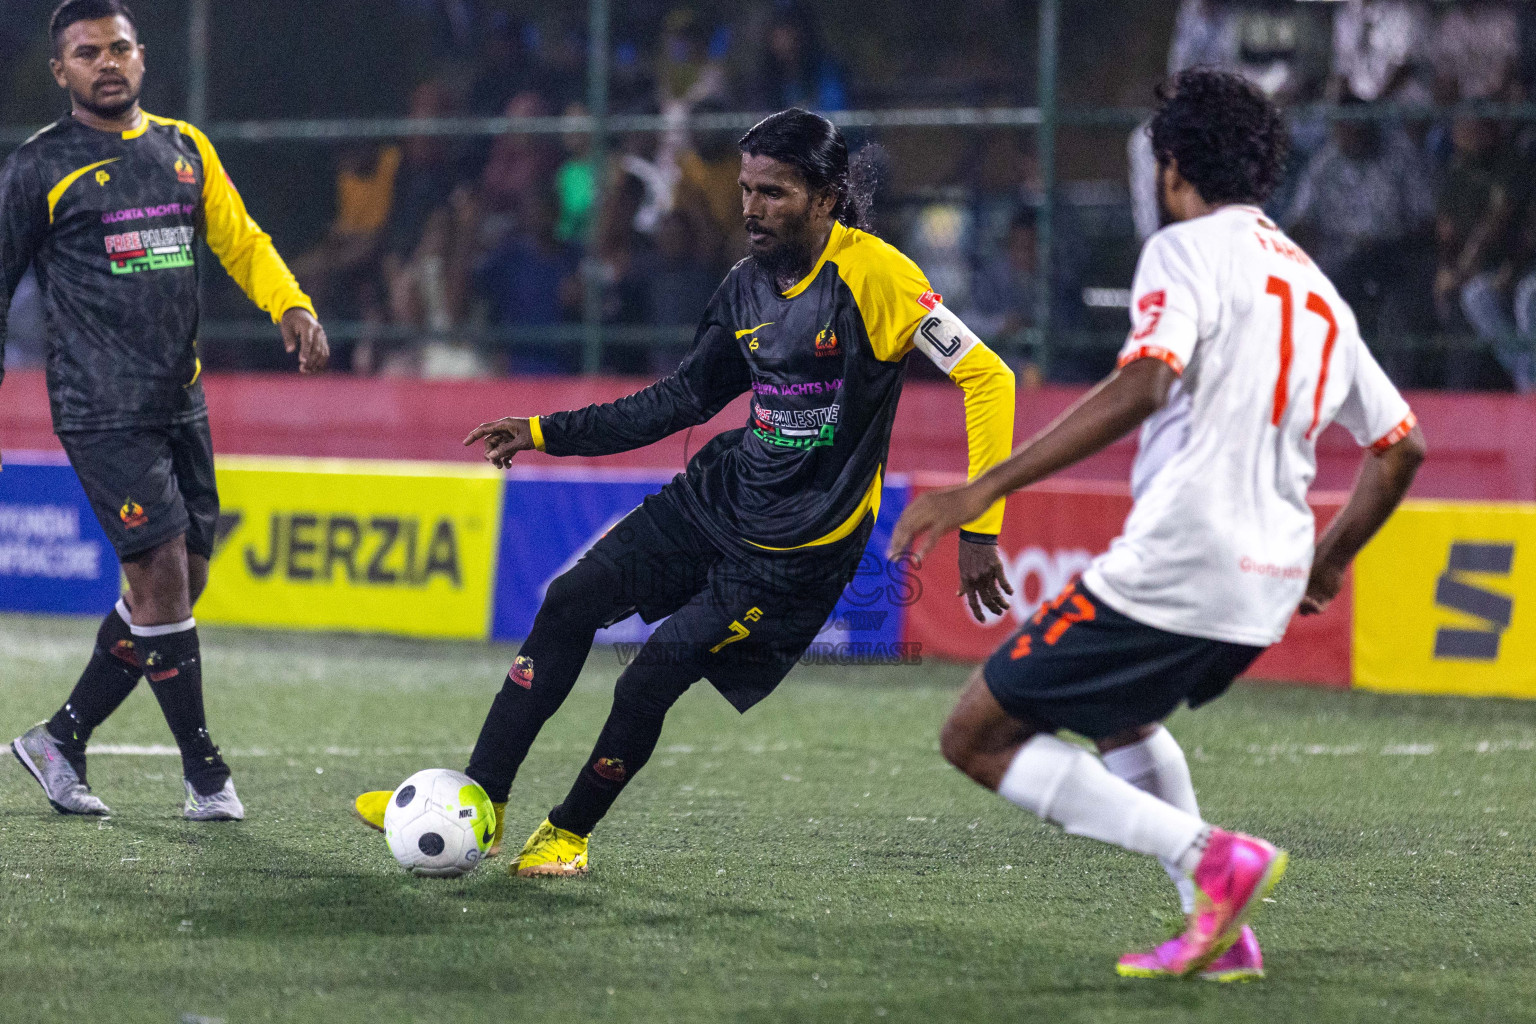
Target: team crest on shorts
522,672
132,514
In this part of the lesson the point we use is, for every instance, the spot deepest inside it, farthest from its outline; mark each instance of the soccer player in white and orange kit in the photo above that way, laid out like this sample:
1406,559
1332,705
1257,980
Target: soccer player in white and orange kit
1241,353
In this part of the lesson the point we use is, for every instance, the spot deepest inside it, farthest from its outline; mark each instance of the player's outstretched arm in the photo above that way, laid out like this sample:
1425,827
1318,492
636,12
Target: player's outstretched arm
1383,481
1099,419
710,376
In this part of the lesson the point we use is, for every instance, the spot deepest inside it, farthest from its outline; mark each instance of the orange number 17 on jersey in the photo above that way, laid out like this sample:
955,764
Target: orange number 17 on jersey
1281,289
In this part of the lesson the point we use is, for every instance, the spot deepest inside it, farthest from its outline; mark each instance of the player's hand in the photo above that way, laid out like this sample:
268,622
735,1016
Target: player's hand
503,438
302,333
1322,588
982,580
934,514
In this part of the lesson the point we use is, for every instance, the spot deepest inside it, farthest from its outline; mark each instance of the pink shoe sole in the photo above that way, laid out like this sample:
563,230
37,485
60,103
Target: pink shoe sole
1228,931
1244,961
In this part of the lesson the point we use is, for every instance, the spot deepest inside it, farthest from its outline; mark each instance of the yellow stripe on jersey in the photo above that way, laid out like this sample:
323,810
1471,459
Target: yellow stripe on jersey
57,192
989,393
886,287
142,126
890,291
869,505
245,250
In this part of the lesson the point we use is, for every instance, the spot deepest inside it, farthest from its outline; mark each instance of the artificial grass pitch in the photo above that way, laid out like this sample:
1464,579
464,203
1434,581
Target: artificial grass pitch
813,861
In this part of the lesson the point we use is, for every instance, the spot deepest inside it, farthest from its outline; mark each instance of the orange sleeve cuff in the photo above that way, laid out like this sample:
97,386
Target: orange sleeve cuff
1396,434
1152,352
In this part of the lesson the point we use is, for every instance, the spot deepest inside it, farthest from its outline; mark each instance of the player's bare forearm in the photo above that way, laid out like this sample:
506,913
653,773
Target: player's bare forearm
1383,481
1102,417
1098,420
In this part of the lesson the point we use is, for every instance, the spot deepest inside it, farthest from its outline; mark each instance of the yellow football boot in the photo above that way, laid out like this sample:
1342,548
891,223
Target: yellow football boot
369,808
501,815
551,851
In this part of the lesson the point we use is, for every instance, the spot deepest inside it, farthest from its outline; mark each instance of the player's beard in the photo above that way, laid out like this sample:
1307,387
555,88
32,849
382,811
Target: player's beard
108,111
791,256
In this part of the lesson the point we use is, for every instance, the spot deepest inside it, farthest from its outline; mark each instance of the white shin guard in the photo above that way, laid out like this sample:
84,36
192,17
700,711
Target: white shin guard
1157,766
1065,784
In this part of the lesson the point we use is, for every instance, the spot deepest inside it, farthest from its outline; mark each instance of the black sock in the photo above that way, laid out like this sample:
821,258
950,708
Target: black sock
645,692
108,679
626,743
543,674
173,664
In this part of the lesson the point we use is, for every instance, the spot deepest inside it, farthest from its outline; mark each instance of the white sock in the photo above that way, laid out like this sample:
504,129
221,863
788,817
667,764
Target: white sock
165,630
1156,765
1067,785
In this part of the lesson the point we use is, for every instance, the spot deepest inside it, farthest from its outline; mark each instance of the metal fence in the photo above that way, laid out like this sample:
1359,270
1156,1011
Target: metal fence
592,335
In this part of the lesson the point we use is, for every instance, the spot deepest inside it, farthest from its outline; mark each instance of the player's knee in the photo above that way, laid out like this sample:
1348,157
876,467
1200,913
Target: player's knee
649,694
574,598
159,589
957,743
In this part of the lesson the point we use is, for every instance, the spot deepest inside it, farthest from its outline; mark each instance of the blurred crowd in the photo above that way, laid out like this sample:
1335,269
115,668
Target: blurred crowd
447,236
1426,225
467,256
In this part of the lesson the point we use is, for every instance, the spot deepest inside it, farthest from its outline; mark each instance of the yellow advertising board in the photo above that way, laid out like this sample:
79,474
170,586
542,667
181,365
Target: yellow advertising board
387,547
1445,601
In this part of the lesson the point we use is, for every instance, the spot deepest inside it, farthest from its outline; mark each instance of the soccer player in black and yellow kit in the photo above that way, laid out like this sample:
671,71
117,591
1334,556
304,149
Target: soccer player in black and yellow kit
747,551
107,205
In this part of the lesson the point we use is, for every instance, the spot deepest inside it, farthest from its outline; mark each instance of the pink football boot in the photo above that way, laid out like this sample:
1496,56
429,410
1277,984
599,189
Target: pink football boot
1242,962
1233,876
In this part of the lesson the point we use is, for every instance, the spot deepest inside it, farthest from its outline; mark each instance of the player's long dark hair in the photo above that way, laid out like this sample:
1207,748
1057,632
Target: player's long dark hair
814,144
1228,138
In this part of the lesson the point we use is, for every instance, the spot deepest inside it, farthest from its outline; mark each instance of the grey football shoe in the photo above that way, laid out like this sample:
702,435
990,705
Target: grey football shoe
221,806
40,754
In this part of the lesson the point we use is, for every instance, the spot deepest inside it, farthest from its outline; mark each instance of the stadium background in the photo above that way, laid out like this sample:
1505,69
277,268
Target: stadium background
815,860
510,207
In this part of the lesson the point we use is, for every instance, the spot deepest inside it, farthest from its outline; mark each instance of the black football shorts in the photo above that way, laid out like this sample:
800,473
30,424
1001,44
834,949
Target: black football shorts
1078,664
741,623
149,484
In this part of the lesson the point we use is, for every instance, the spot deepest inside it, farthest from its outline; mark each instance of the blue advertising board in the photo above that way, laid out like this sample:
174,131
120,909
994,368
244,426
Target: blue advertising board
550,518
53,554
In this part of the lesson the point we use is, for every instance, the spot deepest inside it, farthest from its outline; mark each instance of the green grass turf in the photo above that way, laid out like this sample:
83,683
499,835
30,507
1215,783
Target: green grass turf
813,861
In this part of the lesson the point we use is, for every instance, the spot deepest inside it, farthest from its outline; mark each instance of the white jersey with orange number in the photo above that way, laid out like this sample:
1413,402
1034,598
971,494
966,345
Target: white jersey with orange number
1219,543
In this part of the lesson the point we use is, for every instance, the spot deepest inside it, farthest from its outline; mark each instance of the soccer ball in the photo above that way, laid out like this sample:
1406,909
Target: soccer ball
439,823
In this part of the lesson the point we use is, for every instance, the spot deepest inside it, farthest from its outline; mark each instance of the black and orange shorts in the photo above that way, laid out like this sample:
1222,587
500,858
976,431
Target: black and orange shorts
147,485
1078,664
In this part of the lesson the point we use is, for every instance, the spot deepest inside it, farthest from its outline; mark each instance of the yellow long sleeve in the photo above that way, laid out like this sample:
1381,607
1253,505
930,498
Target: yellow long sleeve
245,250
989,396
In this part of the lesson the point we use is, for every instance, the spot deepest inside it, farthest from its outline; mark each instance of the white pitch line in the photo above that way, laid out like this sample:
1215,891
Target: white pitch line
164,750
133,749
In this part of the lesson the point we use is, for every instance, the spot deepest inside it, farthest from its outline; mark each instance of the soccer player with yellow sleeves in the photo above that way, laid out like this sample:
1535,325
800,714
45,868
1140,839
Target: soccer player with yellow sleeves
748,550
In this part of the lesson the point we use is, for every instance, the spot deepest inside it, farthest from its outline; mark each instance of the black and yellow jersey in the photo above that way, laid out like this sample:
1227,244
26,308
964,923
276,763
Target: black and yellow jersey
110,220
825,363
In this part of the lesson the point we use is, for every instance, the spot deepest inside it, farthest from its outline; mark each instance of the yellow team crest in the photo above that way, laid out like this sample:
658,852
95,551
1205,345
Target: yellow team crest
185,173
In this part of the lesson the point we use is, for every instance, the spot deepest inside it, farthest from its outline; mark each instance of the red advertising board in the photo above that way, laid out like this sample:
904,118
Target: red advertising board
1050,534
